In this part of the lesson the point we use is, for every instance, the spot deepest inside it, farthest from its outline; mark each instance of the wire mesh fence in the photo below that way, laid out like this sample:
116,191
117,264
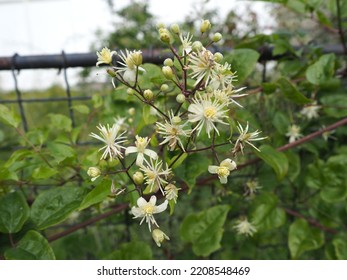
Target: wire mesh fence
16,63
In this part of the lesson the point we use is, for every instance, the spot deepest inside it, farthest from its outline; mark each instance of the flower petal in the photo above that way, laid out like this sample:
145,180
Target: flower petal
162,207
141,202
212,169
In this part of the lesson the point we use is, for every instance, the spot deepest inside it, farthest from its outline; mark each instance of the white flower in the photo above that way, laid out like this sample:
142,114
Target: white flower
159,236
201,64
105,56
130,61
186,43
293,133
246,138
244,227
146,210
221,76
172,131
171,192
223,170
141,144
311,111
206,112
234,94
112,140
155,174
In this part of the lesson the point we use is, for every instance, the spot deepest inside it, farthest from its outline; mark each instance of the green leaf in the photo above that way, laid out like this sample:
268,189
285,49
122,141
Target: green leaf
266,214
16,156
191,168
135,250
281,122
83,109
9,117
179,161
303,238
96,195
43,172
291,92
54,206
333,105
205,229
340,246
60,122
243,61
14,212
322,70
33,246
277,160
294,166
269,88
148,116
60,152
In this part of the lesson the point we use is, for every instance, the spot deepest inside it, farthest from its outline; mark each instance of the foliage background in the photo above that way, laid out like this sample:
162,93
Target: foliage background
49,209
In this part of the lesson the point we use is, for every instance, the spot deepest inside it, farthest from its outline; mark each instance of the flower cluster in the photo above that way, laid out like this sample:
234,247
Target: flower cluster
193,107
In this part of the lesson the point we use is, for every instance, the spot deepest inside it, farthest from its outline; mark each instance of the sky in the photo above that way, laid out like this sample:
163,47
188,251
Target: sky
31,27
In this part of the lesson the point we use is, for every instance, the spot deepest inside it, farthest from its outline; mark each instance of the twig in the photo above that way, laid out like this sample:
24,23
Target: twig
311,221
84,224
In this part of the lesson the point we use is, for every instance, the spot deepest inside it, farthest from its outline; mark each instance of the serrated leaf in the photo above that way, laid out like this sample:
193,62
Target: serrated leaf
266,214
191,168
96,195
205,229
135,250
14,212
277,160
322,70
9,117
33,246
243,61
291,92
303,238
55,205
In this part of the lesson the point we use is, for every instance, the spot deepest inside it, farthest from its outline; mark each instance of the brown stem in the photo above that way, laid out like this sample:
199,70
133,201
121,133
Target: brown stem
311,221
84,224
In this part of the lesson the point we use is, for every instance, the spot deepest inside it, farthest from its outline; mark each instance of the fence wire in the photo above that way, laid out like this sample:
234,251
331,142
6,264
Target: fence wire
63,61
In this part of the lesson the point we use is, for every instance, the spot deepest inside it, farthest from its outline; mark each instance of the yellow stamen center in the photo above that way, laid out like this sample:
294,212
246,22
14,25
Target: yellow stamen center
210,112
223,171
148,209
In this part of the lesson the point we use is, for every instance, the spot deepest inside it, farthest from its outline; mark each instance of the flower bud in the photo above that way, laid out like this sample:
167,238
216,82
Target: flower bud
180,98
168,62
111,72
205,26
175,28
176,120
167,71
164,35
159,236
217,37
130,91
138,178
148,94
164,87
217,57
160,25
137,58
94,173
197,46
131,111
